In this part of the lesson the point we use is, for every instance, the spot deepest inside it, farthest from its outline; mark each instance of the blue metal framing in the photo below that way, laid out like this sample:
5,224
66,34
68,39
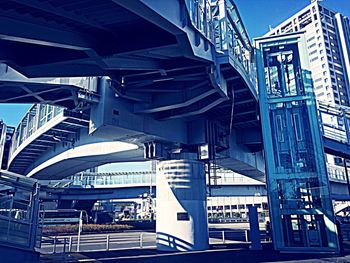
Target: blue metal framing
299,193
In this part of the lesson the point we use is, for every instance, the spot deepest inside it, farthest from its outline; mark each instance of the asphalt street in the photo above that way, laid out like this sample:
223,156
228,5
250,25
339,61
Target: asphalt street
218,233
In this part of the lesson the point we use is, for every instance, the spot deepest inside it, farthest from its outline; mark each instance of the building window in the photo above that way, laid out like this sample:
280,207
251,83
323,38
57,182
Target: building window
310,39
312,45
313,52
315,58
183,217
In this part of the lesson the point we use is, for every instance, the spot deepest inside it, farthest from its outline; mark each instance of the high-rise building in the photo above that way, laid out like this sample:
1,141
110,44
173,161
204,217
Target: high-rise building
327,34
328,42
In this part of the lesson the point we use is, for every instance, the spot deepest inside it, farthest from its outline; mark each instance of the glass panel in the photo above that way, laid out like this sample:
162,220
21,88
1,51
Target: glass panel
282,71
4,225
301,208
20,233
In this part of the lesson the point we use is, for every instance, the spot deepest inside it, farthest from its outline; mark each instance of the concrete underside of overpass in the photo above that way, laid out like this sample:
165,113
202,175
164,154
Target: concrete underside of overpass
66,164
163,72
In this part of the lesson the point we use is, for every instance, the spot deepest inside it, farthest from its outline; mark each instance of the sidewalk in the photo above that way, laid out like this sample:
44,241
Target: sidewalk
234,253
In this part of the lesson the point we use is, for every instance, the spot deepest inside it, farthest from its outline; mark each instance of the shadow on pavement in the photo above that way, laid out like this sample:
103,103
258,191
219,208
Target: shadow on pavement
232,253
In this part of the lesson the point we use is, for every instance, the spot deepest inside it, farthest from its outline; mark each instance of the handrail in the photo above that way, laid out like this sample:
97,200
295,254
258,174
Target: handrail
334,121
199,12
220,22
36,117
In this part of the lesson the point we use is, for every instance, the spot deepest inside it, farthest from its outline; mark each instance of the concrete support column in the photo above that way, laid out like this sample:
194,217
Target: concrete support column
182,223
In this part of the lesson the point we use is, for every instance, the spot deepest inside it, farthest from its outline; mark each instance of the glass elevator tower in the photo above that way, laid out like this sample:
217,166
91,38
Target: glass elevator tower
299,194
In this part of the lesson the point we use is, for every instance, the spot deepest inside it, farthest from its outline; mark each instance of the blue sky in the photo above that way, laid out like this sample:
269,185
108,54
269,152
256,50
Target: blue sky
12,114
257,15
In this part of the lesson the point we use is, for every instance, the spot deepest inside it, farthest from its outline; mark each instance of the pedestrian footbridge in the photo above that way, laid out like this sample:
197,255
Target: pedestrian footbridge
177,83
54,141
181,76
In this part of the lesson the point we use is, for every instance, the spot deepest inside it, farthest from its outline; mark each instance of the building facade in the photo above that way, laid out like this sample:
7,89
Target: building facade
229,199
327,35
328,41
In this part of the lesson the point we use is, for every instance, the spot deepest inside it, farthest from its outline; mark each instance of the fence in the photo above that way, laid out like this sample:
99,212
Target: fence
129,240
219,237
97,242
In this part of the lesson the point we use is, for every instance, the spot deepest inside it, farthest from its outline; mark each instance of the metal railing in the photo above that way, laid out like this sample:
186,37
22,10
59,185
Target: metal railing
336,172
220,22
99,242
222,237
87,179
41,114
110,179
36,117
129,240
201,16
334,122
20,220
